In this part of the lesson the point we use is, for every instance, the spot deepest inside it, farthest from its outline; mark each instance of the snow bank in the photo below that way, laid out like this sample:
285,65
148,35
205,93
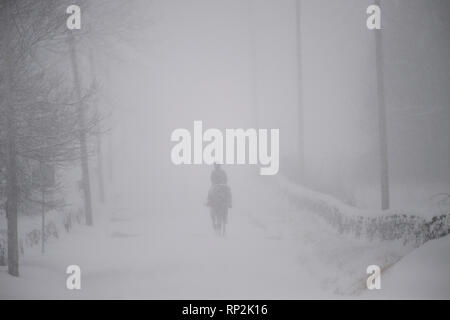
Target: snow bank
422,274
373,224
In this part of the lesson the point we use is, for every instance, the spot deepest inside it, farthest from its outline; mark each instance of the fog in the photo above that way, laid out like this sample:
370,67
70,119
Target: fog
234,65
161,65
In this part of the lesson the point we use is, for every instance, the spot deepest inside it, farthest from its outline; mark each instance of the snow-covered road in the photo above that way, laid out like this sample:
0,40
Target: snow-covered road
271,252
168,256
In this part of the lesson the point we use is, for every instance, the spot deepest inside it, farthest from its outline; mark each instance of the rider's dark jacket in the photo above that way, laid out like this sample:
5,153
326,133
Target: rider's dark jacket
218,176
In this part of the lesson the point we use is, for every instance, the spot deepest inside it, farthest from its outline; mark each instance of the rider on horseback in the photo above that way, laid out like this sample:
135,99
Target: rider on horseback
219,199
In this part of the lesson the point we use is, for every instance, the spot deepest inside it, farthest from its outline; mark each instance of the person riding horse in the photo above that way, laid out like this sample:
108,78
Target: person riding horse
219,199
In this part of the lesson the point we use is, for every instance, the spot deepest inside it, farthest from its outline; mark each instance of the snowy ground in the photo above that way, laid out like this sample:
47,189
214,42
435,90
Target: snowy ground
270,252
423,274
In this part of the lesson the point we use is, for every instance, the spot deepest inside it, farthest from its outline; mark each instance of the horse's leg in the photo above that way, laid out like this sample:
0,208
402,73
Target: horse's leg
223,227
213,220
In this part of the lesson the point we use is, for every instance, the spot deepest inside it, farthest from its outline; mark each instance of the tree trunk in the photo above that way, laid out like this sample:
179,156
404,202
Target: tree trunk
82,134
43,220
12,190
109,138
301,128
101,186
382,127
98,137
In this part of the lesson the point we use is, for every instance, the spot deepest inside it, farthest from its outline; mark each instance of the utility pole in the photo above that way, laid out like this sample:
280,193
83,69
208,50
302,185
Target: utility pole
300,112
253,63
82,132
382,127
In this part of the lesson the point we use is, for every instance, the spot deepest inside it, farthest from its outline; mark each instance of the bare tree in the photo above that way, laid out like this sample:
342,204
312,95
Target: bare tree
41,123
43,120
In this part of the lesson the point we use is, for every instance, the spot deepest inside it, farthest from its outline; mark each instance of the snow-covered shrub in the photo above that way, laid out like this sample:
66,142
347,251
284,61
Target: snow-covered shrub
50,230
32,238
30,229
